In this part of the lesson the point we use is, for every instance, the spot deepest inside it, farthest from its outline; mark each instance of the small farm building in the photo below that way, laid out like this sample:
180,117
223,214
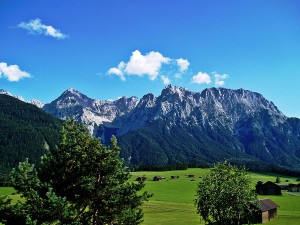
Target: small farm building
268,188
158,178
294,187
267,211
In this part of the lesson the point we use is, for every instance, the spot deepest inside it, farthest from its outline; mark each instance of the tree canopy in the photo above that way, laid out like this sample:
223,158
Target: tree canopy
80,181
225,196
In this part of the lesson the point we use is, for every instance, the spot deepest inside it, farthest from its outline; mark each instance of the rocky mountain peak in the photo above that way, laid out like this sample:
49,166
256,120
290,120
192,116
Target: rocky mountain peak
37,103
174,90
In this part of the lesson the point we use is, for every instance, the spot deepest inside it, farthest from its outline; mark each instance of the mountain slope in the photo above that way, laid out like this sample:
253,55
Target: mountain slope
25,132
180,126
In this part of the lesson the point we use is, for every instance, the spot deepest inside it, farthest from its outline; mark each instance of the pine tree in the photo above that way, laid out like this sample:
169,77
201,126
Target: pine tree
80,181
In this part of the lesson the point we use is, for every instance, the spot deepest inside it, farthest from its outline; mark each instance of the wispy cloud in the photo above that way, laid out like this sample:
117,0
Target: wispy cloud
12,72
219,79
201,78
36,27
150,65
165,80
118,71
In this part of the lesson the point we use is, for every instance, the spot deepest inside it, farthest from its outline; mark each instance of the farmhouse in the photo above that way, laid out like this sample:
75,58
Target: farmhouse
267,211
294,187
268,188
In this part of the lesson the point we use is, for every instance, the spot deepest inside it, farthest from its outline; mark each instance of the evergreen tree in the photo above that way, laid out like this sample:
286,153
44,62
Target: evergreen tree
80,181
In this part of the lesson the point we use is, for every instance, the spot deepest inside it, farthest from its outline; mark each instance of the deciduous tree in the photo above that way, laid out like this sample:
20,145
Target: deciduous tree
224,196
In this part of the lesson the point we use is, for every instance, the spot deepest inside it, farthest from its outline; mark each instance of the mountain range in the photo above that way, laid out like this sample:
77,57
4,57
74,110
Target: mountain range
181,126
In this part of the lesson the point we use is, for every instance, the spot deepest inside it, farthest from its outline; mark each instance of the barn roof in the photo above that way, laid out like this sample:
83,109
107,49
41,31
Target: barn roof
267,204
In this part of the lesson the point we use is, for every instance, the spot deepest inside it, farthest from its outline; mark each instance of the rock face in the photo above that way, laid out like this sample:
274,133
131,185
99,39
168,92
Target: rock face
93,113
181,126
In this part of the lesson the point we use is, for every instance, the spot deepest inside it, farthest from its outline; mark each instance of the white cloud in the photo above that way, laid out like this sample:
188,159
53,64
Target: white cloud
201,78
219,79
183,64
118,70
165,80
140,65
36,27
12,72
148,64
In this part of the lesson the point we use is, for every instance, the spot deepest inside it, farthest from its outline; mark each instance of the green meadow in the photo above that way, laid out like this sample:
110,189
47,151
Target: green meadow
173,199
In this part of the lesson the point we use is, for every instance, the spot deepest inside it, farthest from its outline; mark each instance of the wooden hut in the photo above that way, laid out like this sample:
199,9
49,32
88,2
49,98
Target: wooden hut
294,188
267,211
268,188
158,178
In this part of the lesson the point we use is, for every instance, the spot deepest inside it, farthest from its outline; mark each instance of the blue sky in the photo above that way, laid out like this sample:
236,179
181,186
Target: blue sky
108,49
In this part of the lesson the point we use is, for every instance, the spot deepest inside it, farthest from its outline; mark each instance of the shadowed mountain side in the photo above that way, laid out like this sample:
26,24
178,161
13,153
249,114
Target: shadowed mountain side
25,132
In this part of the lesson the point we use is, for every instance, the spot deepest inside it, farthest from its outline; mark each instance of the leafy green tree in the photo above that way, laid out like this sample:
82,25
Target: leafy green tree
80,181
224,196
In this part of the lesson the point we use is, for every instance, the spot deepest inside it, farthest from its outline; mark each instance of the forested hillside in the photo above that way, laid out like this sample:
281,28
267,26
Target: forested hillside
25,132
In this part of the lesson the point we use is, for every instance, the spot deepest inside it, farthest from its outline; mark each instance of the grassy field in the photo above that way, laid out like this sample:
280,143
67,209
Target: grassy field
173,200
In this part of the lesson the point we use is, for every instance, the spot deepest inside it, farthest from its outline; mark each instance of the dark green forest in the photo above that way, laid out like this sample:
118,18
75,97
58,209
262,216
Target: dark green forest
25,132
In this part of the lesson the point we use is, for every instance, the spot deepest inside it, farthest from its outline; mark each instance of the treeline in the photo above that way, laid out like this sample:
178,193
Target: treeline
253,166
263,167
170,167
25,132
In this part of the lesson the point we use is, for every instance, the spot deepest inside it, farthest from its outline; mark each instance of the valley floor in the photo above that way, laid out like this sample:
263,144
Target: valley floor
173,200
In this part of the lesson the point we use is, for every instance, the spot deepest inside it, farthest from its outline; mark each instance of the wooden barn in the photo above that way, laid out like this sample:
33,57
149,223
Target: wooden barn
268,188
294,188
158,178
267,211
